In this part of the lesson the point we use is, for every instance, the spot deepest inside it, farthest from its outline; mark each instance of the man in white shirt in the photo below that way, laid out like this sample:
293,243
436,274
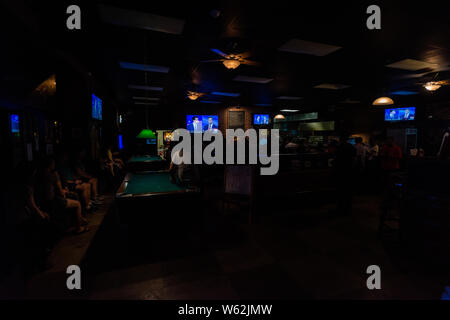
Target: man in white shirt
195,126
177,170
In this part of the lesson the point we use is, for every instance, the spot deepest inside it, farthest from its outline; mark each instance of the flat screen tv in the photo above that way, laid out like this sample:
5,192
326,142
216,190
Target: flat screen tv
202,123
15,126
96,107
259,119
400,114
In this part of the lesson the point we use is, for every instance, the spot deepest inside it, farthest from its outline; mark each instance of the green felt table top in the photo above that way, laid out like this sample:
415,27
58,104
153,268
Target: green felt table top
145,158
139,183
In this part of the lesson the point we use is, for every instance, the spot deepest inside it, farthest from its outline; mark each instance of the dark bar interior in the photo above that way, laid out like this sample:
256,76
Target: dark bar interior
224,150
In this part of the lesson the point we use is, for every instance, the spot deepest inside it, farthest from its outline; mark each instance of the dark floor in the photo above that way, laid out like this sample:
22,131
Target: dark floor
47,281
302,254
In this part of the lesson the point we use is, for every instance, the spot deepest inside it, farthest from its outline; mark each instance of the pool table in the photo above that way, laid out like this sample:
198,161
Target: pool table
146,163
147,184
150,198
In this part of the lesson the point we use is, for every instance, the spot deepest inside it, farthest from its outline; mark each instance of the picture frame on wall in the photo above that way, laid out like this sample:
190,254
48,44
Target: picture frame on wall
236,119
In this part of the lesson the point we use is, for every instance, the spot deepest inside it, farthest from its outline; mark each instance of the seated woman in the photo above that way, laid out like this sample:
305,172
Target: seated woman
84,176
26,177
110,162
54,197
71,183
114,159
35,233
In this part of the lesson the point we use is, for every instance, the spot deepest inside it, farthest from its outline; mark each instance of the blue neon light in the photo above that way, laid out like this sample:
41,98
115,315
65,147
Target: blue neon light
120,142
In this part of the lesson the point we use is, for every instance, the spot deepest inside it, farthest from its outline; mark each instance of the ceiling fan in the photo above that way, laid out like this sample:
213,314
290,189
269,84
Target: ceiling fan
429,80
233,60
433,83
193,84
194,95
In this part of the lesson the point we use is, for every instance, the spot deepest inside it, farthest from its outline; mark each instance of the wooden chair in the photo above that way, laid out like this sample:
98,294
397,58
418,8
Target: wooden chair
239,188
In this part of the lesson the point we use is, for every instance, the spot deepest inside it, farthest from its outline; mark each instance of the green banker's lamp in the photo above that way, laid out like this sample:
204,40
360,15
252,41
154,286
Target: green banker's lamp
146,134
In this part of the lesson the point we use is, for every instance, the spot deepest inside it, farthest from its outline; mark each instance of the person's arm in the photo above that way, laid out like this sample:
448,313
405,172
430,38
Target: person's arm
34,208
62,191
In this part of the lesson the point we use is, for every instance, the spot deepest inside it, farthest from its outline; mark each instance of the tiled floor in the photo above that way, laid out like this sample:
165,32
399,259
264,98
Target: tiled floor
311,255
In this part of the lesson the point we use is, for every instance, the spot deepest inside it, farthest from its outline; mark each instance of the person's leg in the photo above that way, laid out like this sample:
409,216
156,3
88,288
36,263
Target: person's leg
94,187
96,198
85,193
75,204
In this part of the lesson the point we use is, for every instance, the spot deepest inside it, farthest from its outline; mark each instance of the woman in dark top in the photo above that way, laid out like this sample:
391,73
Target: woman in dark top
83,175
74,185
54,199
31,210
34,231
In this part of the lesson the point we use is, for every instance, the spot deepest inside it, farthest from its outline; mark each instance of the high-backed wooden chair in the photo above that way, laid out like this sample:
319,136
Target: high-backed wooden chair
239,188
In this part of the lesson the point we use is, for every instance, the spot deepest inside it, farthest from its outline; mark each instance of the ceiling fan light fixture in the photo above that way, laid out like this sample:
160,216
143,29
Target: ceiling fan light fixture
231,63
383,101
192,95
432,86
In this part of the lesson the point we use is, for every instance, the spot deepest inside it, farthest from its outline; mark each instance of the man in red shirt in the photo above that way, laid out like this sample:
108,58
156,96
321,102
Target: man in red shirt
390,155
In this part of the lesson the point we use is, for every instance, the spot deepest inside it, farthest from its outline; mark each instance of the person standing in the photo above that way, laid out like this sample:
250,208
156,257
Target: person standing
374,150
373,163
391,155
361,154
